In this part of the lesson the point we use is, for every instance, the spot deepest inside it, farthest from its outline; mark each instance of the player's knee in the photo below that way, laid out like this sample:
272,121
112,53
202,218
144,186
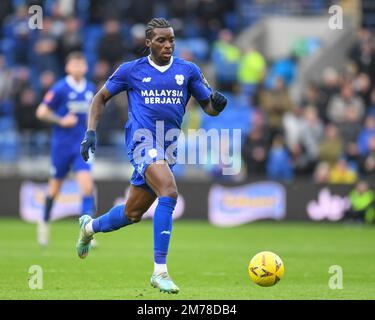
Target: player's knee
170,191
53,191
134,215
53,194
87,191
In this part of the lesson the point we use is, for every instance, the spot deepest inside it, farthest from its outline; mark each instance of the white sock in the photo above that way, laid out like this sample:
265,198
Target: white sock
160,268
88,228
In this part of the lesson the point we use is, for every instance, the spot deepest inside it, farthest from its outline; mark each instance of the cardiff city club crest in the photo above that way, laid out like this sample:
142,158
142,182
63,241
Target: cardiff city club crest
179,79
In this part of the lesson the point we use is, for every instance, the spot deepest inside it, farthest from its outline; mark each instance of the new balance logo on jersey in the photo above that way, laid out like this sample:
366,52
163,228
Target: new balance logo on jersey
148,79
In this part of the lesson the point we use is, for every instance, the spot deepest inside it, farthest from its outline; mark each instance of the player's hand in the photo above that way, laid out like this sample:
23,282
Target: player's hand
68,121
218,101
89,142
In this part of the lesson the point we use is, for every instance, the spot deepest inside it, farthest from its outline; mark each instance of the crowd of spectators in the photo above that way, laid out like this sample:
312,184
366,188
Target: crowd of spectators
329,135
108,32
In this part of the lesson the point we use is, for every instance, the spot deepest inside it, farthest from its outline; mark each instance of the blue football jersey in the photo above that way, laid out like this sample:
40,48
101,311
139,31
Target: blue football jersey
158,93
66,96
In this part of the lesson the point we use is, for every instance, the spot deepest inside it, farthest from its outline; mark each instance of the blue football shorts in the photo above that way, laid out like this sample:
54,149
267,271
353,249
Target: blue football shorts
143,153
65,159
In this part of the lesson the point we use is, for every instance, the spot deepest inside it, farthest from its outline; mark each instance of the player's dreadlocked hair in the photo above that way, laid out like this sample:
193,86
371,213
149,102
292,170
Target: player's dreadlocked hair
156,23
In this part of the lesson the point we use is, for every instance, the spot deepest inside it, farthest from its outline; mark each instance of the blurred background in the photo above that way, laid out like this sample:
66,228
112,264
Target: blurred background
302,94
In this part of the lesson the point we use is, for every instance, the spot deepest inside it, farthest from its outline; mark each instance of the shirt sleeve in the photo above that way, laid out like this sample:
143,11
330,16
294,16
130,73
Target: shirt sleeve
53,97
198,85
119,80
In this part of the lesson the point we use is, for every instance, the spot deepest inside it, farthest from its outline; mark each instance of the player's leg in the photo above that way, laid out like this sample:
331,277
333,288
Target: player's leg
54,186
138,202
85,182
60,167
160,178
86,187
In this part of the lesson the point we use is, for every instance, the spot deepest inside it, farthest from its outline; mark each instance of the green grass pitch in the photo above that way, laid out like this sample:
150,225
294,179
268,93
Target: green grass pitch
206,262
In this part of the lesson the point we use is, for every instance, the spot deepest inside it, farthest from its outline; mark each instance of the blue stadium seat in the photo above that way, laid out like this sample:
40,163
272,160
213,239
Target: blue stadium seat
8,140
237,115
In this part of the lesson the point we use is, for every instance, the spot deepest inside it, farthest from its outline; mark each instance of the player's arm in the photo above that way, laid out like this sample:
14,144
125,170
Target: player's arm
46,114
97,107
212,102
115,84
215,104
95,112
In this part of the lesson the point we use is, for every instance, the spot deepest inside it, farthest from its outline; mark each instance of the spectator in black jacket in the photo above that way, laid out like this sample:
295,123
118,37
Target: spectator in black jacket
111,47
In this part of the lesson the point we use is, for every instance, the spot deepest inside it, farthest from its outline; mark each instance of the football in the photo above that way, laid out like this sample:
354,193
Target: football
266,269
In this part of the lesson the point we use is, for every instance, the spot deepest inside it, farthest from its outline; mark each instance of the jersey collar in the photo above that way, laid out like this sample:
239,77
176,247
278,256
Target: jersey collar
76,86
160,68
